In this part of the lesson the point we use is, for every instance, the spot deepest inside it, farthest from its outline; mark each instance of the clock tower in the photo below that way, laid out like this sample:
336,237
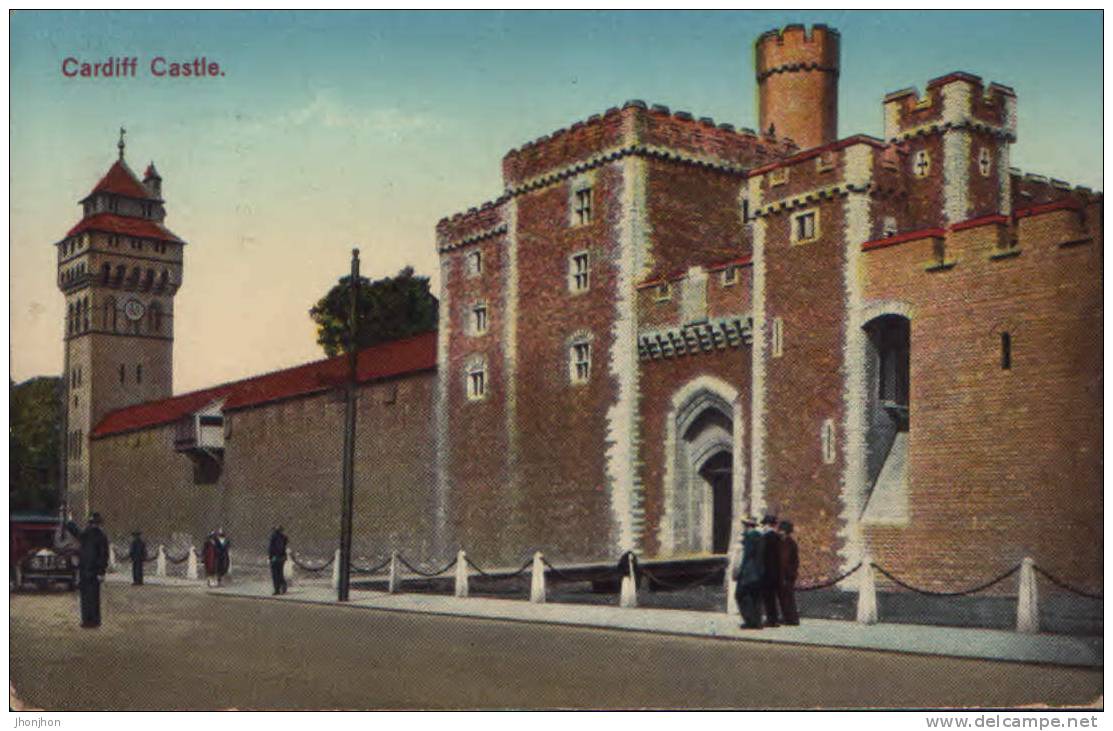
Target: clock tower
119,269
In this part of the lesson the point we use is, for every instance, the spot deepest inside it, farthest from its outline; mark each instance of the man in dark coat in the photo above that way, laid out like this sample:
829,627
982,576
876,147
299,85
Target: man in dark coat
138,555
223,559
771,585
790,565
93,562
749,575
277,554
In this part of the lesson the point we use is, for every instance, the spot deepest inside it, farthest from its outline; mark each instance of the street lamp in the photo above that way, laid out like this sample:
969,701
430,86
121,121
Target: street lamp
349,434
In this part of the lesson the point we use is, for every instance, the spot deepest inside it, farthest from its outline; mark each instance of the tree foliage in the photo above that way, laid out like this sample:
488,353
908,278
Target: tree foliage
388,309
34,437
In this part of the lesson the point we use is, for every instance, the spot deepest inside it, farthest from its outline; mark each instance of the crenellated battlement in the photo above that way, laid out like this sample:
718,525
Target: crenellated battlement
957,100
475,224
796,48
639,124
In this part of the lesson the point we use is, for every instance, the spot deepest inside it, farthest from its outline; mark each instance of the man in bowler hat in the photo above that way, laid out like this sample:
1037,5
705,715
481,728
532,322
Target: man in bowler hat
137,554
748,574
790,565
93,562
771,583
277,553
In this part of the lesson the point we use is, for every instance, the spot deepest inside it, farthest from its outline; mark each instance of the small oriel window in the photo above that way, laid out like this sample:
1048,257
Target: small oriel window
582,209
985,162
579,277
475,263
921,164
805,227
580,362
479,319
730,276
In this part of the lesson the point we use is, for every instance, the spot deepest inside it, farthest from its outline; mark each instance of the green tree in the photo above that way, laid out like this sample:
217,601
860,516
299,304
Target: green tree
34,434
389,309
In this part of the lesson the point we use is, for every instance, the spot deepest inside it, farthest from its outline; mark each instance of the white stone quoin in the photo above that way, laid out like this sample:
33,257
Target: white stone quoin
537,582
1027,599
160,564
461,574
191,567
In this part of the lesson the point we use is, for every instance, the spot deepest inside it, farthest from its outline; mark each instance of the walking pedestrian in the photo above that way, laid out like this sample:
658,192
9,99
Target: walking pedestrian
222,558
277,553
748,574
137,554
210,557
771,583
790,565
92,564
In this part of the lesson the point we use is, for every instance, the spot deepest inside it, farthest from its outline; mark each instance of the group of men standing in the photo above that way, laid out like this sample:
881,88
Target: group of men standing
766,575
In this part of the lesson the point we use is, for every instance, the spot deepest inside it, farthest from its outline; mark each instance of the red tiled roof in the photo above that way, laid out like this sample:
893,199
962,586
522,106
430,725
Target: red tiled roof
116,224
387,360
122,181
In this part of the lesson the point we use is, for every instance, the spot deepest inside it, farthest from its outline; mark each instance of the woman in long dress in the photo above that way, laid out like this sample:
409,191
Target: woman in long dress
210,556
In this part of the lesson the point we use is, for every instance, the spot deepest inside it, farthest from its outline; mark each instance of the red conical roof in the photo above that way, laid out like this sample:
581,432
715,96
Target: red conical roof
122,181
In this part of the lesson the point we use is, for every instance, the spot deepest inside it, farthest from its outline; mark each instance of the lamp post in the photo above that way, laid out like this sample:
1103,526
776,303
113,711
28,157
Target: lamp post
349,435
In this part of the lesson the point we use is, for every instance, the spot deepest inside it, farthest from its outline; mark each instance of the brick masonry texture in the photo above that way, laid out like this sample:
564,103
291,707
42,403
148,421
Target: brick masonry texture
1001,463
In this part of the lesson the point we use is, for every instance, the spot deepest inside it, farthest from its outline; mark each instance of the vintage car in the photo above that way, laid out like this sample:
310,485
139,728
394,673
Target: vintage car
39,553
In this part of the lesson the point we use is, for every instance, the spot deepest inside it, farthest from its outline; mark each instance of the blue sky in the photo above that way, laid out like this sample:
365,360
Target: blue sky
336,129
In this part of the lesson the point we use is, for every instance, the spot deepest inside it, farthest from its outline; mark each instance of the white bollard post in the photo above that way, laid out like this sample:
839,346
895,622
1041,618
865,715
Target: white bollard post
461,574
733,609
628,591
160,565
336,570
1027,599
191,567
392,583
867,593
112,566
537,584
288,567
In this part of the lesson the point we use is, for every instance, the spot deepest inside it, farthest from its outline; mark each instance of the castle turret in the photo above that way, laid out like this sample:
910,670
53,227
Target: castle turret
152,181
798,83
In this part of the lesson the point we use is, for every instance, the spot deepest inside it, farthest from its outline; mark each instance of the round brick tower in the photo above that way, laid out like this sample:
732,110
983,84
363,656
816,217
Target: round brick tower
798,83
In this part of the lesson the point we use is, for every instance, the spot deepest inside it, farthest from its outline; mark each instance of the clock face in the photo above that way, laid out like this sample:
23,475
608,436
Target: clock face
133,310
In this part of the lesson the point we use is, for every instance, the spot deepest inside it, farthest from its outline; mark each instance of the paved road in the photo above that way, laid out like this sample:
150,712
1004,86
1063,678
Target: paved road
166,648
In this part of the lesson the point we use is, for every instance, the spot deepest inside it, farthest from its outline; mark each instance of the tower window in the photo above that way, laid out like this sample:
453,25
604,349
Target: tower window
921,164
138,373
578,273
778,337
745,210
477,381
121,373
579,363
663,292
475,263
827,441
582,206
479,318
889,227
805,227
1006,351
730,276
985,162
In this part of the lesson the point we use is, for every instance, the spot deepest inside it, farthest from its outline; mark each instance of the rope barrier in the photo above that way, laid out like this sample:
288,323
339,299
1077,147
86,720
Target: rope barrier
966,592
406,563
829,583
1063,585
307,567
472,564
557,572
677,587
374,570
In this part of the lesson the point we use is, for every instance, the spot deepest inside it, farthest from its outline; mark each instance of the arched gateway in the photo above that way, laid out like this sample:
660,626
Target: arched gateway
704,472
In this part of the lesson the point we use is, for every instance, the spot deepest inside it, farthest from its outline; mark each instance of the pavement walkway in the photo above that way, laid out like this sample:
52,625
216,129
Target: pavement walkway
986,644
